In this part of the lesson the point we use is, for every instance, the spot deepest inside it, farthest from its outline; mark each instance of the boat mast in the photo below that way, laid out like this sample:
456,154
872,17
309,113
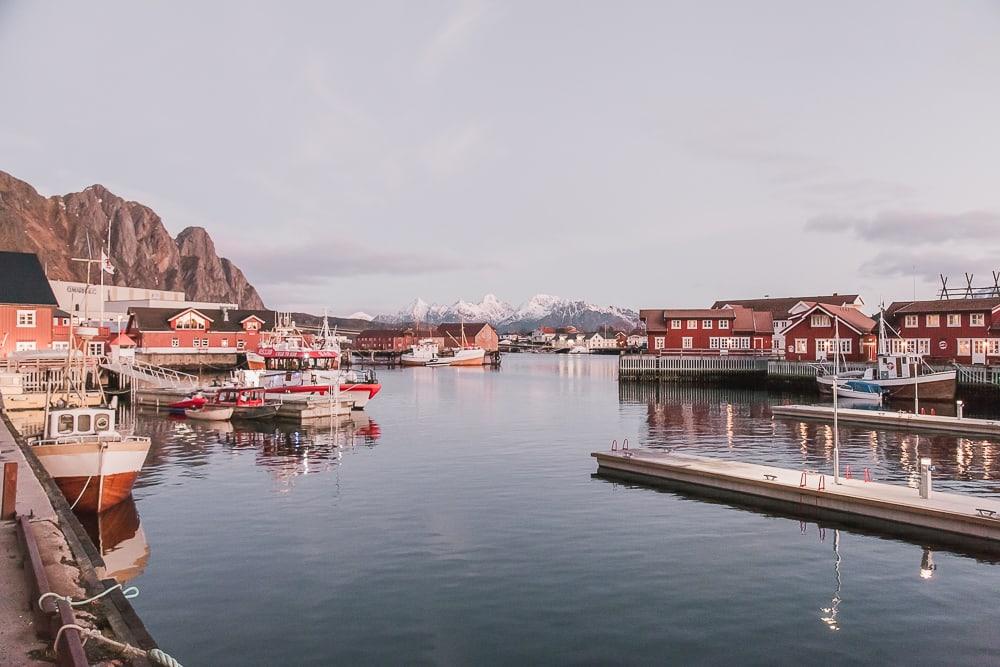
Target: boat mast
836,372
882,342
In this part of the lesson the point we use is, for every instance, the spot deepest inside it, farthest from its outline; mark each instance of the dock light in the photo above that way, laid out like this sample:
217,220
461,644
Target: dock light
925,477
958,409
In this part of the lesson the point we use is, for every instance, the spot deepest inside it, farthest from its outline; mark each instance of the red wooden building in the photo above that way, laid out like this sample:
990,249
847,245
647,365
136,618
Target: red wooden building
166,331
396,340
734,330
476,333
812,334
961,330
27,304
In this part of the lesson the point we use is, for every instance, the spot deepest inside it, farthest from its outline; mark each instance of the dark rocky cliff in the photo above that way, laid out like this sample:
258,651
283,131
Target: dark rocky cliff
142,251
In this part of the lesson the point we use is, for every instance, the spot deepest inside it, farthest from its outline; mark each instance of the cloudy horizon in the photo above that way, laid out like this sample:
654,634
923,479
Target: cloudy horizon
640,155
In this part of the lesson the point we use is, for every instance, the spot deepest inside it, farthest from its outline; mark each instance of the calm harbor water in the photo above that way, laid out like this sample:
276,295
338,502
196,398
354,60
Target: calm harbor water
460,522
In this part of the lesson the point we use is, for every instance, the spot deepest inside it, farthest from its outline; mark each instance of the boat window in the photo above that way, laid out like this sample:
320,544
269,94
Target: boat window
101,423
65,423
83,423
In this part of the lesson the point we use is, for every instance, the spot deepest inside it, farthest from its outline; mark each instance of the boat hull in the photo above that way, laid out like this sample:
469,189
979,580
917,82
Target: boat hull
94,476
209,414
259,412
932,386
468,358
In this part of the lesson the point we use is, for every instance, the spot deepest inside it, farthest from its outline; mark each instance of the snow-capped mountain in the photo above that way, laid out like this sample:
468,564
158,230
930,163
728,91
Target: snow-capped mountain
360,315
540,310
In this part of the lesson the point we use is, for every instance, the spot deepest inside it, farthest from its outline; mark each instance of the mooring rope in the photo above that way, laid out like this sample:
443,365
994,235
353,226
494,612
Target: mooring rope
156,655
129,593
82,491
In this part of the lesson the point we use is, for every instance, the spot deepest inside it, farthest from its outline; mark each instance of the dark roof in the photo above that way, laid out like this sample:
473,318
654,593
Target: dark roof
450,330
698,313
158,319
59,312
779,306
850,316
23,281
942,306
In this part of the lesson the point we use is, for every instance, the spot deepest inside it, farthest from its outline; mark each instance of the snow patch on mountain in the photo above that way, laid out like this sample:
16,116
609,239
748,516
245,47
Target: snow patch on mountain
360,315
539,310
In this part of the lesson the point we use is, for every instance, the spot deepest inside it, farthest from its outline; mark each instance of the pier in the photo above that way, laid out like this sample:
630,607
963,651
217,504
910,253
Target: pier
947,516
891,419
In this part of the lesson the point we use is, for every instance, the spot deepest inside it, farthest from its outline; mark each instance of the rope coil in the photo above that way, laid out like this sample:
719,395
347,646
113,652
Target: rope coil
130,593
156,655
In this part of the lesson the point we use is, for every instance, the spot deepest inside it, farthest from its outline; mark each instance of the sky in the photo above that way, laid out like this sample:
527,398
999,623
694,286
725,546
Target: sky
644,154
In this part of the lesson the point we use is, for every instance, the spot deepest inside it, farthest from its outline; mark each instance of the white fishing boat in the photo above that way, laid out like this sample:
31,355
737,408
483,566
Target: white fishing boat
210,413
425,351
860,391
93,464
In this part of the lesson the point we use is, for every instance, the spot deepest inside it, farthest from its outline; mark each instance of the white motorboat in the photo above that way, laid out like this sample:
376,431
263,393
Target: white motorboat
425,351
210,413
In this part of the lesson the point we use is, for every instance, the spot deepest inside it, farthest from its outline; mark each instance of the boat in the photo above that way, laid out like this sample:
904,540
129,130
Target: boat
904,375
465,355
192,402
210,413
246,402
420,354
860,391
579,349
439,361
93,464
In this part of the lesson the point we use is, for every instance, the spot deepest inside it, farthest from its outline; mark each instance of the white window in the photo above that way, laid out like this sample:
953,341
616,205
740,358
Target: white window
994,347
197,342
241,344
687,342
819,320
801,345
175,342
713,343
923,346
954,320
204,342
659,342
225,342
964,347
911,322
723,324
95,347
845,345
26,319
25,346
692,324
977,319
675,324
933,320
60,345
190,321
706,324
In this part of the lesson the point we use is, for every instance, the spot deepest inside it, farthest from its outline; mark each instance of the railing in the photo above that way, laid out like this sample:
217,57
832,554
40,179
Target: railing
156,375
714,352
989,375
649,365
807,369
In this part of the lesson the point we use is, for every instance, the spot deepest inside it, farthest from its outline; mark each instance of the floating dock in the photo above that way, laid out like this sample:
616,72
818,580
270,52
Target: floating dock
946,515
301,407
889,419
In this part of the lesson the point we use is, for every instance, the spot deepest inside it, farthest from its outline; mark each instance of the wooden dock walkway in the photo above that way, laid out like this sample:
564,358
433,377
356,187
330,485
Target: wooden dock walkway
891,506
891,419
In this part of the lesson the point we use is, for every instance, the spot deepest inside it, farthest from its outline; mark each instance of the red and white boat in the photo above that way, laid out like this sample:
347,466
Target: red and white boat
93,465
291,362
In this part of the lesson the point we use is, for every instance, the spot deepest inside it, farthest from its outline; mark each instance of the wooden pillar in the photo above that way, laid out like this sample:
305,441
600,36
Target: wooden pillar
9,490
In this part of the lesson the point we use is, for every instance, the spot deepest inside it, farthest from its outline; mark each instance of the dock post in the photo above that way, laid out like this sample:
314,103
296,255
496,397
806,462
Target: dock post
958,409
925,477
9,490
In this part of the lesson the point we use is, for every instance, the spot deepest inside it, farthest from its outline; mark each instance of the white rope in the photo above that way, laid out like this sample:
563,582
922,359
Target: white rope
129,593
156,655
85,485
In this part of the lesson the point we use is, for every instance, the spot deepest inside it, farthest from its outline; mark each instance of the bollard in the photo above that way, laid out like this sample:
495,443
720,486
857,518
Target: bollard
958,409
9,487
802,480
822,483
933,412
925,477
847,472
868,474
614,445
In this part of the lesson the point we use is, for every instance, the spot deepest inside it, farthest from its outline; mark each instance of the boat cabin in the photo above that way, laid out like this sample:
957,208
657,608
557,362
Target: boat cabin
241,396
80,421
892,366
319,360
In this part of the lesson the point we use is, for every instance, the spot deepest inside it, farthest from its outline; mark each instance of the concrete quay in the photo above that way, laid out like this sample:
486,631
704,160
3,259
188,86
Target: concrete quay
890,507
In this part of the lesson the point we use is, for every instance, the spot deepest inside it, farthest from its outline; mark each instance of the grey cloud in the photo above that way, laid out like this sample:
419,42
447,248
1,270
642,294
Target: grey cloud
928,263
913,227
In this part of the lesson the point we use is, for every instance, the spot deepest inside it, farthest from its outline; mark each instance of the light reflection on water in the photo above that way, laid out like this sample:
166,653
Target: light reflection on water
467,527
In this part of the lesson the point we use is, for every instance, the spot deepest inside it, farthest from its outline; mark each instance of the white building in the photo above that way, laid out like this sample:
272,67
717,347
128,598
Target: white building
78,299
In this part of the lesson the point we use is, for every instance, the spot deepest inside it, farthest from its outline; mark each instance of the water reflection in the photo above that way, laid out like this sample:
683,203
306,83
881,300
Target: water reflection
118,536
737,423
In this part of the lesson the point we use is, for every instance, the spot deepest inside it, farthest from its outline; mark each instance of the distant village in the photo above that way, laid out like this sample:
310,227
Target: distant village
164,327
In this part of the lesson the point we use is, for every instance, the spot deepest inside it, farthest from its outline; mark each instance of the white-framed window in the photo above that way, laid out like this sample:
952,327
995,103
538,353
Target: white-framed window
60,345
224,342
713,343
723,324
26,319
687,342
924,346
964,347
241,344
706,324
994,350
204,342
24,346
675,324
819,320
692,324
977,319
659,342
801,345
845,345
197,342
95,347
911,321
933,321
954,319
175,342
190,321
